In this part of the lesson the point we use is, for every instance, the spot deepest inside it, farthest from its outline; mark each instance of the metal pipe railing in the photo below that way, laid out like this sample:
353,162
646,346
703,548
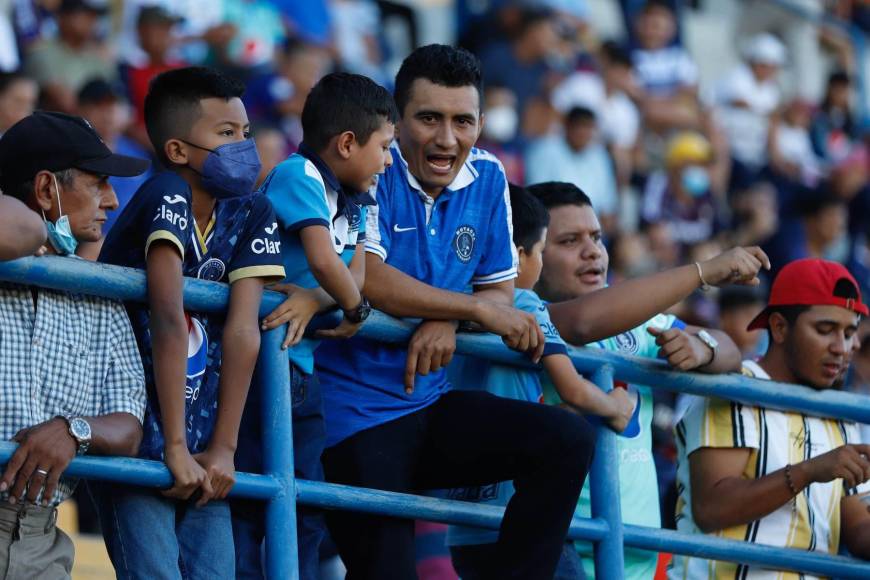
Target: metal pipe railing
279,488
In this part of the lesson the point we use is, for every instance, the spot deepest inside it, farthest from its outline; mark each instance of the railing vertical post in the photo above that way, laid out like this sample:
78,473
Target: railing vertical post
604,487
282,558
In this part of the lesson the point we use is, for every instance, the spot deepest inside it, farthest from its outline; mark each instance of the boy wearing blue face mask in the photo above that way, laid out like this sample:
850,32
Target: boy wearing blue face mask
200,219
321,198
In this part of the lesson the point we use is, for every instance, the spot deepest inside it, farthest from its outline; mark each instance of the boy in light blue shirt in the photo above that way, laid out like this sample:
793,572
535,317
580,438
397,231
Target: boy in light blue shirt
472,549
320,196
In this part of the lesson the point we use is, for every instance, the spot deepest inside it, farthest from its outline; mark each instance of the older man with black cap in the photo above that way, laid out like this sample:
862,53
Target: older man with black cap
773,477
71,380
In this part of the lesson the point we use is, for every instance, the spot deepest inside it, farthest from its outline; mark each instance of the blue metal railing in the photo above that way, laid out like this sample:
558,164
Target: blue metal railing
278,487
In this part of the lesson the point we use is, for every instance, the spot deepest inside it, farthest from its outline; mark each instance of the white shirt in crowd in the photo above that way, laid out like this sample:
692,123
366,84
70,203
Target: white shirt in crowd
746,127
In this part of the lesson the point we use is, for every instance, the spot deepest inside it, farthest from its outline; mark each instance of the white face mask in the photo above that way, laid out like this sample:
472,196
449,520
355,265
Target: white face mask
500,123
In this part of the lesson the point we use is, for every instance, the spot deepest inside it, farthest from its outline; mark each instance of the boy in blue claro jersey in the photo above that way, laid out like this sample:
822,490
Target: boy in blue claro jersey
320,195
472,549
200,220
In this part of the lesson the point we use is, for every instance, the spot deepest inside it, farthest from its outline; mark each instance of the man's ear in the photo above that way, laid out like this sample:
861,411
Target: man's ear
344,144
176,152
778,327
44,194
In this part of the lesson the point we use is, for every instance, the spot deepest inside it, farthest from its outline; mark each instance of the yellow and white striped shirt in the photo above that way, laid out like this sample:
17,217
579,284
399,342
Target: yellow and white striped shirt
775,438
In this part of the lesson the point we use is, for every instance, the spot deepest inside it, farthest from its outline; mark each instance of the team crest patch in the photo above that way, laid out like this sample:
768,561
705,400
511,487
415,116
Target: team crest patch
212,269
627,343
463,243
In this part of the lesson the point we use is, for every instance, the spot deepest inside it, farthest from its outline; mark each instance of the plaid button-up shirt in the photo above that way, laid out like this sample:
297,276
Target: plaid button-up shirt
64,354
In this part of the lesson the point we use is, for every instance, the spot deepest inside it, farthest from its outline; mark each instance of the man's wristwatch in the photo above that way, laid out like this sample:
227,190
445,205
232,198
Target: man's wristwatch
80,430
711,342
360,313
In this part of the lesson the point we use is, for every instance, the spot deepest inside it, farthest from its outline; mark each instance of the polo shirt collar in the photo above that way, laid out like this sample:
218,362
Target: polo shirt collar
466,176
344,194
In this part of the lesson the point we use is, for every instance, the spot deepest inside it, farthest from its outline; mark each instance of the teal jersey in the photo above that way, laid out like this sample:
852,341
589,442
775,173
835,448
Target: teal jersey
638,486
470,373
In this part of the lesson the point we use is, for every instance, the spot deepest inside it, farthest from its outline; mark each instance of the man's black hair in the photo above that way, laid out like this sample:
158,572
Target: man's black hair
530,217
818,201
345,102
790,313
616,54
531,17
7,79
734,297
558,193
440,64
580,115
839,77
652,5
172,105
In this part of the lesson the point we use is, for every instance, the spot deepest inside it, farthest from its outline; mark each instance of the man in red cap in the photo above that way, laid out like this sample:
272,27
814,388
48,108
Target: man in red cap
776,477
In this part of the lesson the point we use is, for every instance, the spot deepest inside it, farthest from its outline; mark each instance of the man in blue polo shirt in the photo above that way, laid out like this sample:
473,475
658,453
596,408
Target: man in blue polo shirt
442,225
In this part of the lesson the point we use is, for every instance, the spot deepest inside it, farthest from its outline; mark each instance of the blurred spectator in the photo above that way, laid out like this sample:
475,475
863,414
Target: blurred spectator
276,98
18,95
259,31
835,130
745,99
679,195
738,305
103,106
813,234
790,148
271,147
754,214
521,64
630,257
154,25
64,64
9,57
500,129
607,95
579,158
666,74
355,25
799,30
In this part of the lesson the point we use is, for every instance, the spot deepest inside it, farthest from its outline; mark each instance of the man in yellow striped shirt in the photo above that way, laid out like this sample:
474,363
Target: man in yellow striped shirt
772,477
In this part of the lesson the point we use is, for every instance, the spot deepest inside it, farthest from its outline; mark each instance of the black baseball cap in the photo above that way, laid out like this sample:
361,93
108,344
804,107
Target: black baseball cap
53,142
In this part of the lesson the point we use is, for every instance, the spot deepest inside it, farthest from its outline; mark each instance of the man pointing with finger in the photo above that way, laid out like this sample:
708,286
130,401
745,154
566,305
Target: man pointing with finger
775,477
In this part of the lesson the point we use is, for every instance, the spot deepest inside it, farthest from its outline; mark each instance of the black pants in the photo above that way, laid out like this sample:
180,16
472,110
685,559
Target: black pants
465,438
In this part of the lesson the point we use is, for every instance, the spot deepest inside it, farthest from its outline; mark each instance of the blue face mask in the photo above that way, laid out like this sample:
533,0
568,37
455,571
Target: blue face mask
230,170
59,233
695,180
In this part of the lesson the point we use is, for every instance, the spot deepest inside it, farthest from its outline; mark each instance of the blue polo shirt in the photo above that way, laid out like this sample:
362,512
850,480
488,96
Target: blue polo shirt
305,192
240,241
461,238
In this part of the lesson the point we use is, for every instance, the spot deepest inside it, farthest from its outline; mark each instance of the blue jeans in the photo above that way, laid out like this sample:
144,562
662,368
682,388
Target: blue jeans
477,562
309,437
151,537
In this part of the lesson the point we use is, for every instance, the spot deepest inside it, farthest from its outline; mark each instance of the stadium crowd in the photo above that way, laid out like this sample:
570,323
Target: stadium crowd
536,182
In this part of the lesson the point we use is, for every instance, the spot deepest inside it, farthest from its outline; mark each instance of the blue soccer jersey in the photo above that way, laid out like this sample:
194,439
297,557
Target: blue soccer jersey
461,238
305,192
240,241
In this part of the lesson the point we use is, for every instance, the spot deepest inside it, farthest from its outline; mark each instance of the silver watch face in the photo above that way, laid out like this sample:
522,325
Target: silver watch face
80,429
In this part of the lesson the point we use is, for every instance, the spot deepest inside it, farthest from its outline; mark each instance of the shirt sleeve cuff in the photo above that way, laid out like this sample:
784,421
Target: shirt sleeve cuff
164,235
271,273
375,248
495,278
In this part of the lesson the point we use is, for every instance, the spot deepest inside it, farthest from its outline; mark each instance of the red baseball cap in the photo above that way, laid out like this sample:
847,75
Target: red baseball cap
810,282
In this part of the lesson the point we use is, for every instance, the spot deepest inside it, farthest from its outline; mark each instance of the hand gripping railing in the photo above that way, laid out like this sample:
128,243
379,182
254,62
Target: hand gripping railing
278,487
